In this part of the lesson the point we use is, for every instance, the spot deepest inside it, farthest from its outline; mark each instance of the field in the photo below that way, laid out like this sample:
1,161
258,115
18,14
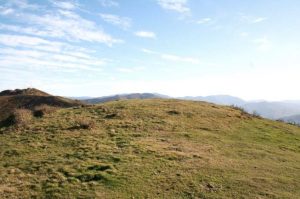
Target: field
150,149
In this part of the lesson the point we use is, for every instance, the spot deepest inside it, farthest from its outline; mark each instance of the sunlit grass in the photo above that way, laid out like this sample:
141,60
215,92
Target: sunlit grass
151,149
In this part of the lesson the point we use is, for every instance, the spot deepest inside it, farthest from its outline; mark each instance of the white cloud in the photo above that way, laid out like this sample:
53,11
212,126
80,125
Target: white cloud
66,25
6,11
263,44
19,40
204,21
244,34
130,70
179,6
145,34
47,60
148,51
22,4
109,3
27,51
173,58
252,19
123,22
259,19
176,58
67,5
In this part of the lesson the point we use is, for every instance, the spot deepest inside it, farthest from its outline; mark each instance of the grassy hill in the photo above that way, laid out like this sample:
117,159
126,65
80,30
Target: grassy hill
10,100
150,149
124,97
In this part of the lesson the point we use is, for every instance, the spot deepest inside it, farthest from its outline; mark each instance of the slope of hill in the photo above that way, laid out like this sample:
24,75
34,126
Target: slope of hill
124,97
28,99
151,149
219,99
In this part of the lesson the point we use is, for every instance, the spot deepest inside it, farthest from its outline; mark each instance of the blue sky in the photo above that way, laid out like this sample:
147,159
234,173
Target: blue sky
248,49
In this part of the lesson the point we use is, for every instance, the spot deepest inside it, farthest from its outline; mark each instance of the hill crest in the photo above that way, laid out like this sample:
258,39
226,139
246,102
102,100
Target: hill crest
26,91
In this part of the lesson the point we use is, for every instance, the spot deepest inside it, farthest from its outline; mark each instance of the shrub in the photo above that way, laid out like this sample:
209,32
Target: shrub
256,114
84,123
21,118
40,111
239,109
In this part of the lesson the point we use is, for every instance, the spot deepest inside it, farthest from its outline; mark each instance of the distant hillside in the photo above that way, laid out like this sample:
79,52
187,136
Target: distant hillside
218,99
270,110
151,148
28,99
273,110
124,97
292,119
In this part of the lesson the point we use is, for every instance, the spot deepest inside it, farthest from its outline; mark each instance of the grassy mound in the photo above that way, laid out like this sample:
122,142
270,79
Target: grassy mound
151,149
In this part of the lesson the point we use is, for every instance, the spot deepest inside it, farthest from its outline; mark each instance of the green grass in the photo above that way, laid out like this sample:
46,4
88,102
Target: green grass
151,149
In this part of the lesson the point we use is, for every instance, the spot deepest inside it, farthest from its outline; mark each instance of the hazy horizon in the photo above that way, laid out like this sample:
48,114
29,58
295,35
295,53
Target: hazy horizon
247,49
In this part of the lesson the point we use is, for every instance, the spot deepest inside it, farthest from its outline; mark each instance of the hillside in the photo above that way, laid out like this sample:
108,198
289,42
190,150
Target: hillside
151,149
11,100
124,97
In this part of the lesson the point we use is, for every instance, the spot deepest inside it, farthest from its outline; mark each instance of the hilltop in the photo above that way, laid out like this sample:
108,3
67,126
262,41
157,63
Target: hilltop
10,100
152,148
27,91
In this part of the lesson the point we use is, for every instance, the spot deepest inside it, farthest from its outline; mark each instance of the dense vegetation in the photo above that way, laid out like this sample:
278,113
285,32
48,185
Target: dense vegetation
150,149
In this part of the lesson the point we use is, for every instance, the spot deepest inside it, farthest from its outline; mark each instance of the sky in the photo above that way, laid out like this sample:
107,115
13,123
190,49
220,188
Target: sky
249,49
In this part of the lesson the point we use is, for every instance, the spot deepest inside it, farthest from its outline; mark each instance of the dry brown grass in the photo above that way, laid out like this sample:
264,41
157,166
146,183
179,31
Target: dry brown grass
21,118
84,123
44,109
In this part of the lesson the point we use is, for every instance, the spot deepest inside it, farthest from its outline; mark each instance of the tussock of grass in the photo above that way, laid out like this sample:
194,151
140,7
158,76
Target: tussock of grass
84,123
21,118
42,110
151,149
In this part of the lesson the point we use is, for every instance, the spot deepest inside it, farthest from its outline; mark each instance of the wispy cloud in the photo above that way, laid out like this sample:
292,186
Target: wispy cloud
252,19
109,3
22,4
63,24
179,6
145,34
23,41
204,21
67,5
244,34
42,60
123,22
6,11
173,58
263,44
176,58
148,51
130,70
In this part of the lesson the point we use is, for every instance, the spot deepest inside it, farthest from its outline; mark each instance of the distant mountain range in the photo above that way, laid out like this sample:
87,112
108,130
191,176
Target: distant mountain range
218,99
292,119
284,110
